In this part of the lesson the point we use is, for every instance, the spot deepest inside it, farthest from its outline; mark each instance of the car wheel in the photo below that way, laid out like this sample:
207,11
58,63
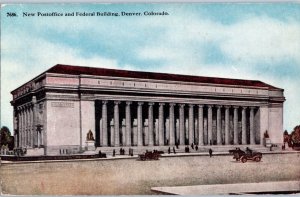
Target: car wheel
257,159
244,159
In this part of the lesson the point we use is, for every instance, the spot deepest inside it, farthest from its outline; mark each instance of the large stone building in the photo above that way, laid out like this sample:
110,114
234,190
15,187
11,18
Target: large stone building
55,110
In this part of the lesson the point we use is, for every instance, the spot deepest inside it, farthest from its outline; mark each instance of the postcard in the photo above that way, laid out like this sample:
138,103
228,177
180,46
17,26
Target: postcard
150,98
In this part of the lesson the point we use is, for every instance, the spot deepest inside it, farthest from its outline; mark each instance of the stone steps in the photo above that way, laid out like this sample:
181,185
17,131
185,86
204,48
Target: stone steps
142,149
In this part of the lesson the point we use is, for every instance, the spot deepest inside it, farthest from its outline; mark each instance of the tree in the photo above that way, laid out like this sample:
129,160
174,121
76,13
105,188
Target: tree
5,137
295,135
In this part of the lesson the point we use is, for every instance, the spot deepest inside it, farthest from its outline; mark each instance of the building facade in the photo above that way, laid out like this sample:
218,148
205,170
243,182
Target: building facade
55,110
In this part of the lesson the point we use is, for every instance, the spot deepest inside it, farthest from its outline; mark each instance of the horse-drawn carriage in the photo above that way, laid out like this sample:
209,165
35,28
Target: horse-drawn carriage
244,156
149,156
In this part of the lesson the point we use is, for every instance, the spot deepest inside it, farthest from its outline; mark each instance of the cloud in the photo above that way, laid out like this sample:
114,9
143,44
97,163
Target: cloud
21,62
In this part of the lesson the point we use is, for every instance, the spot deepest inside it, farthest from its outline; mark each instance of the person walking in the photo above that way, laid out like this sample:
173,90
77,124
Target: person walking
174,150
210,152
169,150
114,153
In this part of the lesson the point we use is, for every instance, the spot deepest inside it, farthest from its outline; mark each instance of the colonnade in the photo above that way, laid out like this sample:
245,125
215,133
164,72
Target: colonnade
127,123
29,134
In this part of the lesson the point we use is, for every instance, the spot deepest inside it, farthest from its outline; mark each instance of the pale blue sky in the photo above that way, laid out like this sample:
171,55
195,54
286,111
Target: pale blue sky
247,41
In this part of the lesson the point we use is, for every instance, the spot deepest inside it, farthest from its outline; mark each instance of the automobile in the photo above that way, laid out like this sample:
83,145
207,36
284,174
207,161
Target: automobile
149,156
244,156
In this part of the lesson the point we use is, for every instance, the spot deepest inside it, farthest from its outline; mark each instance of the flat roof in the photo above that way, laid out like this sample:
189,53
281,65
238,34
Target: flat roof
78,70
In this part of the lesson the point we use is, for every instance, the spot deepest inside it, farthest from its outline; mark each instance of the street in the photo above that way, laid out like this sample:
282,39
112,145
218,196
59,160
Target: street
130,176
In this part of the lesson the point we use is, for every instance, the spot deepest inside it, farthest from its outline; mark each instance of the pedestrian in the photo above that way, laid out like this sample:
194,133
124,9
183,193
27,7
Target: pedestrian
196,147
174,150
169,150
192,145
210,152
100,153
248,150
114,153
283,146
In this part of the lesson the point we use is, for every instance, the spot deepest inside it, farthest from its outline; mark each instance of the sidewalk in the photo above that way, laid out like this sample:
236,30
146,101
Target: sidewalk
227,189
135,156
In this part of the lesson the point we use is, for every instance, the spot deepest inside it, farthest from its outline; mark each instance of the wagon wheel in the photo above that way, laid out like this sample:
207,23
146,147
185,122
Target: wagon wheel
257,159
142,158
244,159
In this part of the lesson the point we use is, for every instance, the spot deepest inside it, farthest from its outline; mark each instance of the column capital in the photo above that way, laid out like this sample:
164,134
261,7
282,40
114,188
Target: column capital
128,102
209,106
219,106
226,106
252,107
150,103
117,102
104,102
191,105
140,103
172,104
200,106
235,107
181,105
161,104
33,99
244,107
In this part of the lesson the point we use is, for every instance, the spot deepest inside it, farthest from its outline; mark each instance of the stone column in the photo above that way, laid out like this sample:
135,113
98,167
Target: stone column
140,124
252,135
200,125
219,126
244,135
128,123
150,123
100,132
34,121
22,128
117,124
19,127
181,125
235,125
191,124
226,125
31,126
104,124
26,126
172,124
209,124
161,125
